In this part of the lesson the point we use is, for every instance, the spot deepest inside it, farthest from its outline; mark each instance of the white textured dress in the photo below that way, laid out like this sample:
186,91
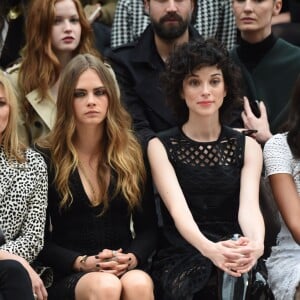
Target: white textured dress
284,262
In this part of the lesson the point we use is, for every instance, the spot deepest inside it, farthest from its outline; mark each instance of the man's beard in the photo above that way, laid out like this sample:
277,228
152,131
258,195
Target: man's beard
170,32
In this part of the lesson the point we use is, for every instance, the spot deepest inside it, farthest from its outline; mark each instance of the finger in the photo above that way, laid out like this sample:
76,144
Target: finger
245,119
263,110
232,272
121,267
44,292
109,271
247,107
38,293
107,265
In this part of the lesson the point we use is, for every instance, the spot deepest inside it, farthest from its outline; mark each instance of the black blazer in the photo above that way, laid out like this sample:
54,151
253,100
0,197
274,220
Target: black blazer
137,66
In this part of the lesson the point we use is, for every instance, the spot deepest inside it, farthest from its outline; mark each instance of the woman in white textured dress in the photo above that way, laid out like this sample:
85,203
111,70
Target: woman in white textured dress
282,161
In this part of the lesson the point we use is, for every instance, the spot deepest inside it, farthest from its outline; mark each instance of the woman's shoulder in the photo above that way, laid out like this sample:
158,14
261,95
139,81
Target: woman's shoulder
34,158
277,141
174,131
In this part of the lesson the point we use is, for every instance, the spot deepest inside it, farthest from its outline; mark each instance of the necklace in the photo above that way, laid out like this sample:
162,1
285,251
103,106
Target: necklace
80,166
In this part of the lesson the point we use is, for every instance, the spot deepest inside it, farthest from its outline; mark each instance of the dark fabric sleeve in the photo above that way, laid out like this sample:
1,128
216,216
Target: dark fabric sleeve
145,226
130,99
52,255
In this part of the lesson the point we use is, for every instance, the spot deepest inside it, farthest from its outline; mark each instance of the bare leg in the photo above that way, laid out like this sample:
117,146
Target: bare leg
137,285
98,285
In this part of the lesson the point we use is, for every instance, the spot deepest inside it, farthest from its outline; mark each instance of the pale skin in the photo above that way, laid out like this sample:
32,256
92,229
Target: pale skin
65,34
203,94
37,284
109,273
254,20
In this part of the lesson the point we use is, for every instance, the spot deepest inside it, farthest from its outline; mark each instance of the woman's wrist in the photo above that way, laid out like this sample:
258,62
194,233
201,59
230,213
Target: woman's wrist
80,262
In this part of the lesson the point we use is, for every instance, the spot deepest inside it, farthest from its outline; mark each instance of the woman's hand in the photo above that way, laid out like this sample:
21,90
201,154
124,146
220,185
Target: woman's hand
260,124
245,256
38,287
110,261
37,284
235,257
222,253
118,263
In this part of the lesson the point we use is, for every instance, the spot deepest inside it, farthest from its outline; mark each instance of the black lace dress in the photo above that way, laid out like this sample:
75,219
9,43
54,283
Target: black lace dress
209,175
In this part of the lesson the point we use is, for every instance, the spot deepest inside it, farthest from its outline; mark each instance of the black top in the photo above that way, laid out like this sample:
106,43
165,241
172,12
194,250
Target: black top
209,176
80,229
252,54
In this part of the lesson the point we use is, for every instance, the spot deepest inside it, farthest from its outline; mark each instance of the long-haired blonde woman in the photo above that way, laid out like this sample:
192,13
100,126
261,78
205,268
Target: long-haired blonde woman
23,200
56,30
97,185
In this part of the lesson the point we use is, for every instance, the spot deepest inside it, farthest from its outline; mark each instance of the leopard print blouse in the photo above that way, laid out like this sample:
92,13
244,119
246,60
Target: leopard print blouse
23,202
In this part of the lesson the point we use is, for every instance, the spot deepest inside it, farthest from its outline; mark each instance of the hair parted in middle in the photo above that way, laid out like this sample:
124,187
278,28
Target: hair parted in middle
121,152
192,56
40,67
13,149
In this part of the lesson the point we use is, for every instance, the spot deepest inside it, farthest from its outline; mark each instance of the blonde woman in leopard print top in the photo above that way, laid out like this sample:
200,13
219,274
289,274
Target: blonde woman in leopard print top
23,198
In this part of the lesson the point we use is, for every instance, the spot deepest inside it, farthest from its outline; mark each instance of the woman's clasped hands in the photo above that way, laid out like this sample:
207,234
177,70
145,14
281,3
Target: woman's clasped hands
110,261
235,257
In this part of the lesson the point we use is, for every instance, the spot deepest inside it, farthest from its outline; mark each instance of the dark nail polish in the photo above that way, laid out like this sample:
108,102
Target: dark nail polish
96,256
129,258
97,266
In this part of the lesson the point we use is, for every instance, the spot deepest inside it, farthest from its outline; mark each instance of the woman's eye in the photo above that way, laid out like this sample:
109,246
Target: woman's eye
215,81
74,20
78,94
100,92
194,82
57,21
3,103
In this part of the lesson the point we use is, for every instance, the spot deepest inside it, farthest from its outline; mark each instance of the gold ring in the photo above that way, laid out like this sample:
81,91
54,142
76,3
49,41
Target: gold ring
114,252
35,296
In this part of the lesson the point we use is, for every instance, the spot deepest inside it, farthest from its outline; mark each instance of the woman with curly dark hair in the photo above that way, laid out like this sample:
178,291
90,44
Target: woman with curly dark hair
207,175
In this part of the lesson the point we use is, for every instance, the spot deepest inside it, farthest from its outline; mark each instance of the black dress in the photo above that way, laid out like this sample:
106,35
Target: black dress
80,229
209,176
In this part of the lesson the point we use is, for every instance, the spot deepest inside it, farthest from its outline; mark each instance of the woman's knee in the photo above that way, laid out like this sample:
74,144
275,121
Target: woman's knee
98,285
138,282
13,269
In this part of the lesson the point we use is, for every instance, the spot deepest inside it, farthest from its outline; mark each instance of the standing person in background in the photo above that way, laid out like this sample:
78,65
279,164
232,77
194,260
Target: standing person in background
23,201
98,188
207,175
282,162
101,22
138,65
286,24
269,66
56,30
213,18
12,26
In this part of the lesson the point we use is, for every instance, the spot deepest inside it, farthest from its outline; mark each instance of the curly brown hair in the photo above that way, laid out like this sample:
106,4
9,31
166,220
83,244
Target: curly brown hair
190,57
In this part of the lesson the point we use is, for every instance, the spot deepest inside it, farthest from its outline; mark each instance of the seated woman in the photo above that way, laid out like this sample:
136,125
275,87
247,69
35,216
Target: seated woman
56,30
97,190
23,200
207,175
282,162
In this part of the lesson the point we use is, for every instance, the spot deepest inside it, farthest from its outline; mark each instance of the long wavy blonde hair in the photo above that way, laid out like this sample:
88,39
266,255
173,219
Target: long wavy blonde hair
40,67
121,152
13,149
